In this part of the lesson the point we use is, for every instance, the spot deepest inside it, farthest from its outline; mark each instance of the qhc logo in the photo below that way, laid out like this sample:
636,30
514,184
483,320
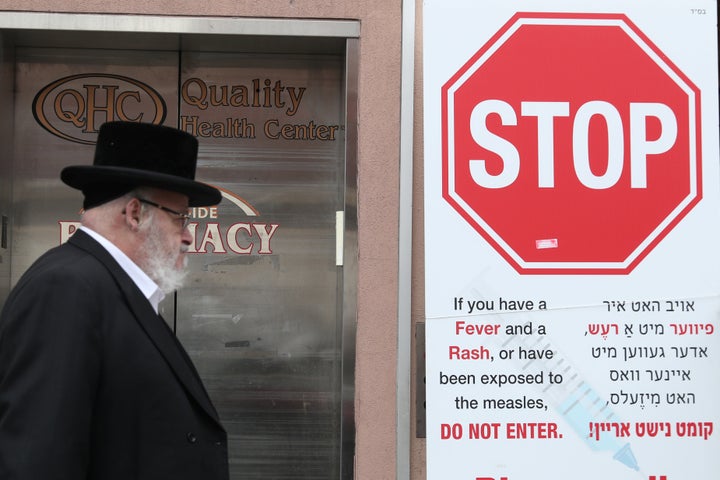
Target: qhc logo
73,107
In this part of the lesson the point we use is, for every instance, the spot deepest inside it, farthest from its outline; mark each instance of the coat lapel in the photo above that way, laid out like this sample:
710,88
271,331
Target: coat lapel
154,326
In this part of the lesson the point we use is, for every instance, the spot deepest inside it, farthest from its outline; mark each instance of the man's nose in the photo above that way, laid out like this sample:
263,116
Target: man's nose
186,237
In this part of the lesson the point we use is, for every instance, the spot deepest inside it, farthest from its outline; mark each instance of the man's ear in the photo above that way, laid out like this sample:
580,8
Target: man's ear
132,213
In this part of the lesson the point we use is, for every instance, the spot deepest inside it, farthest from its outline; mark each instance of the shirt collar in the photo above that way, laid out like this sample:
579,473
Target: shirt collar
147,286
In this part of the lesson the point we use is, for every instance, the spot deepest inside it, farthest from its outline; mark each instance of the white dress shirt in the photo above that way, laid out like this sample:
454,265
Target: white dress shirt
146,285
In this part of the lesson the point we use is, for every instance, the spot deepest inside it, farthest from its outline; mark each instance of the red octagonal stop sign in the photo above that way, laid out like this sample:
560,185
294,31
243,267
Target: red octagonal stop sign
571,143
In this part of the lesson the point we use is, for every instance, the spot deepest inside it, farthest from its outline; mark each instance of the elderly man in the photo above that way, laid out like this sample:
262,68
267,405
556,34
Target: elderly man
93,384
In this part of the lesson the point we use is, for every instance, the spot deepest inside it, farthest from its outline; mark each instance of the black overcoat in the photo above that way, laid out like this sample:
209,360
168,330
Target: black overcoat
93,384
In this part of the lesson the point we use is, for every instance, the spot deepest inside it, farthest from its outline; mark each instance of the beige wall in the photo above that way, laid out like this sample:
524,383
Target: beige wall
378,164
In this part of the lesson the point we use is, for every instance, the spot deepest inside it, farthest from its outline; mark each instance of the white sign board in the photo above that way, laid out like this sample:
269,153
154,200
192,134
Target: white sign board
572,203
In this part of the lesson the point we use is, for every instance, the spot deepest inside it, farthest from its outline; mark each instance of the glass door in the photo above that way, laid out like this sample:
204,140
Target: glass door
260,318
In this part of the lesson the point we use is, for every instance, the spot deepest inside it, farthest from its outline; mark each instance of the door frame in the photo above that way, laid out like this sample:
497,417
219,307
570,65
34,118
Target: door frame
140,32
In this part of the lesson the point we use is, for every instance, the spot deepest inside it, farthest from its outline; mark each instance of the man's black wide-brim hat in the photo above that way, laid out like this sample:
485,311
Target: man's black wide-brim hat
130,155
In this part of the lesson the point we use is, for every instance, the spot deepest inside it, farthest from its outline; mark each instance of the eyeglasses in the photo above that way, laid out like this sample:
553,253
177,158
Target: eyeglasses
185,217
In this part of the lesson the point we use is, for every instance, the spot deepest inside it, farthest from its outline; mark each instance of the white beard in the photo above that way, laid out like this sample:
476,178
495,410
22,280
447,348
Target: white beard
160,260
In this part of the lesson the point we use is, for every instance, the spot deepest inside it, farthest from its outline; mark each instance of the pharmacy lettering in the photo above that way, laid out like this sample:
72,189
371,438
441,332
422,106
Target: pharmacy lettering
210,235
